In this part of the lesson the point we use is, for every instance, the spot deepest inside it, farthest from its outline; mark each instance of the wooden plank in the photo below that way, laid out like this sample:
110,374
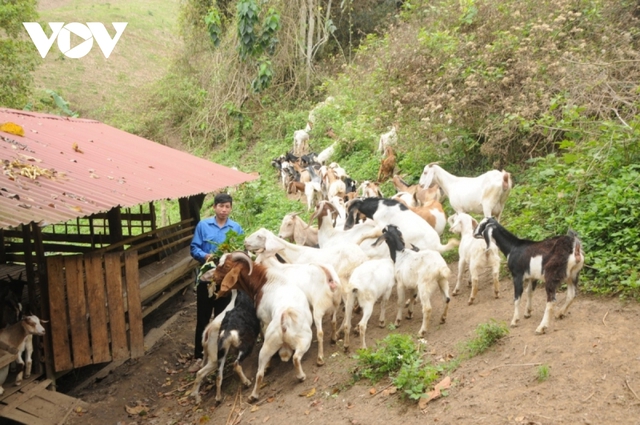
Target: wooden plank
97,308
26,393
117,325
22,417
42,408
77,300
58,310
136,334
6,358
157,302
171,268
165,247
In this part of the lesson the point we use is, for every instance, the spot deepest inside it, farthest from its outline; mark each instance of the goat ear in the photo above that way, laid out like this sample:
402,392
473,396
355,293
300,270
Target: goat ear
474,223
378,241
230,280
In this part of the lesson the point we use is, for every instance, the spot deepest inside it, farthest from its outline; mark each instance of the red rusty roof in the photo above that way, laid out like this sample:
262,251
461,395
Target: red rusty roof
64,168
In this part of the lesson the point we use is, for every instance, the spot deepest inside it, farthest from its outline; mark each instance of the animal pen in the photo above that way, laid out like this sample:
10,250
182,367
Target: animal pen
79,224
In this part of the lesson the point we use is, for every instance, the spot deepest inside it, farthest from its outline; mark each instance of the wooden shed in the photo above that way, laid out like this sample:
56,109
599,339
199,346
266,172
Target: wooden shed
79,222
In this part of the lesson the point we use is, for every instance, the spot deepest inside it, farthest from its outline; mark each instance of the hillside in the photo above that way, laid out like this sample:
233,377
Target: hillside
111,90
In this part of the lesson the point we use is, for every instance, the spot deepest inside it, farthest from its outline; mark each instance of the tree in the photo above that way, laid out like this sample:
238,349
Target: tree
18,58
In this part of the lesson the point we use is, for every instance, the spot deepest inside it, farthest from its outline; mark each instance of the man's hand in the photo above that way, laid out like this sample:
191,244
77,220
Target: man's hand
208,258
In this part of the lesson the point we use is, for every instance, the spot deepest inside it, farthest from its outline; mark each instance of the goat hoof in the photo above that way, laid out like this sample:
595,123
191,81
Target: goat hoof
333,341
514,324
497,296
253,398
527,315
320,361
455,292
470,301
540,331
302,378
381,324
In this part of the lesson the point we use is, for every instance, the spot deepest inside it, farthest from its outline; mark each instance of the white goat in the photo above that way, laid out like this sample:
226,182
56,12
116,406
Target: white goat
327,153
422,271
389,138
474,255
484,194
300,142
13,339
322,287
370,281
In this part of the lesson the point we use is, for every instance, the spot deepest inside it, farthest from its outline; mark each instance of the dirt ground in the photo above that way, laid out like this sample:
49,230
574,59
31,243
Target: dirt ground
593,357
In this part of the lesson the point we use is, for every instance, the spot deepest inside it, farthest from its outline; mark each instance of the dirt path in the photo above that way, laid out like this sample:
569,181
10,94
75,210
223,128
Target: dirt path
593,358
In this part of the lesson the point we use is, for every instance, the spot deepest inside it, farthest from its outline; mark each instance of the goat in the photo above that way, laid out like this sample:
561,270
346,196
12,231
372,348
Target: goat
388,211
210,337
388,139
431,212
14,337
421,195
240,328
474,255
326,154
293,227
423,271
555,260
387,165
300,142
281,306
344,257
370,281
322,287
370,189
330,234
484,194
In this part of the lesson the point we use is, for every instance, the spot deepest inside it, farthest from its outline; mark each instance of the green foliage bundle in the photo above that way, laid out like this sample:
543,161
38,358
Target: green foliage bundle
18,56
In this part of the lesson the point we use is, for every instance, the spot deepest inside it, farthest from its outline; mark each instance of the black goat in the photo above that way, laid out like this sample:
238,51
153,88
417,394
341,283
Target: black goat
555,260
240,328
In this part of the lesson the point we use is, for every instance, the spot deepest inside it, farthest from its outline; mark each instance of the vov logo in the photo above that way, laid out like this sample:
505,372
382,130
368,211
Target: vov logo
88,32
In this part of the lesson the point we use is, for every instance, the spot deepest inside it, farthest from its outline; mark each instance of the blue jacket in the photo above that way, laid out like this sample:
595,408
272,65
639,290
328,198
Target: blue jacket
207,234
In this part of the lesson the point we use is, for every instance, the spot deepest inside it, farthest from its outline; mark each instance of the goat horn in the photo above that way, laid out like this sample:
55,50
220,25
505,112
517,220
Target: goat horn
242,256
433,163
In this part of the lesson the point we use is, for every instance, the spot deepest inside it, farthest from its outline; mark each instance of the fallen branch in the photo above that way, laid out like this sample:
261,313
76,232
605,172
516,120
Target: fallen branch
590,395
513,364
605,316
631,389
378,392
525,350
233,408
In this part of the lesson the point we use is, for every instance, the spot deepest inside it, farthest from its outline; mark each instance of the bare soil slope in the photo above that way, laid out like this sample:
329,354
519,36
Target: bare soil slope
593,357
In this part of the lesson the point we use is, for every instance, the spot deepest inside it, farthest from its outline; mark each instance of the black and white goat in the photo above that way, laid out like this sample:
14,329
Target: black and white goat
555,260
239,330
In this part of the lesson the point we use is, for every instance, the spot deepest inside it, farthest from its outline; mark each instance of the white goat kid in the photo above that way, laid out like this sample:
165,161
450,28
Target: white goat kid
485,194
474,255
370,281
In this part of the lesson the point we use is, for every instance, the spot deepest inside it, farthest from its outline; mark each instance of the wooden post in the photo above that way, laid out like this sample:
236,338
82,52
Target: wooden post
114,218
43,308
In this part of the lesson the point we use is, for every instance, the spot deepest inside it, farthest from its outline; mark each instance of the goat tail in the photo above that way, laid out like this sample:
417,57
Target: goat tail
507,183
451,243
287,320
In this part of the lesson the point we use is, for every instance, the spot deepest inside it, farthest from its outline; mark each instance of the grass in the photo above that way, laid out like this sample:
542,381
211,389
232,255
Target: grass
108,89
543,372
398,357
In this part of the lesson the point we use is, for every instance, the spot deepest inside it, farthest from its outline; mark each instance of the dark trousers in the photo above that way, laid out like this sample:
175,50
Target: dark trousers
204,307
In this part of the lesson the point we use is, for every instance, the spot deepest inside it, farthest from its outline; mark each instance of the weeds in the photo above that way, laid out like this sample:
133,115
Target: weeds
403,360
543,373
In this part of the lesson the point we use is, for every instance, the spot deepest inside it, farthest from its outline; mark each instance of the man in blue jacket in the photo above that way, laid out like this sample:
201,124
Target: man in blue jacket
209,233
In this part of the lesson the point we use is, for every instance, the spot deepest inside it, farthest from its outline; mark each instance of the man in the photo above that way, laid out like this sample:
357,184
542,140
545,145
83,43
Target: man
209,233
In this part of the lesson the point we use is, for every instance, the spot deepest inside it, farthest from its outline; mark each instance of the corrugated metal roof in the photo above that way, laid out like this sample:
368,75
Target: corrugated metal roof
77,167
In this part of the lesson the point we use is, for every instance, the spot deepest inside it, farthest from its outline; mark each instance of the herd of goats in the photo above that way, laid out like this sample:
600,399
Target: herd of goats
365,245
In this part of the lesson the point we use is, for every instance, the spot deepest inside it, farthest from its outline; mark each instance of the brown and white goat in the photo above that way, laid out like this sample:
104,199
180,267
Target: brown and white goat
421,195
555,260
281,306
294,228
